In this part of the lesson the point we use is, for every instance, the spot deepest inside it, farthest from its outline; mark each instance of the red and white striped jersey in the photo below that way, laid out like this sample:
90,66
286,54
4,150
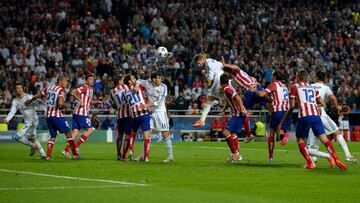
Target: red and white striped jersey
306,97
230,94
118,96
53,93
86,94
136,100
279,95
243,79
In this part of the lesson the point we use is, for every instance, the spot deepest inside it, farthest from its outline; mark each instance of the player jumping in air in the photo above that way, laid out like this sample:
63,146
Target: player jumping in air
306,97
280,102
156,92
27,134
213,70
331,129
80,118
234,125
139,112
124,120
55,100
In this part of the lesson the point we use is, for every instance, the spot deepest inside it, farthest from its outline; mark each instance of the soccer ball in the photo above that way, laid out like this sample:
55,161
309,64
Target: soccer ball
162,52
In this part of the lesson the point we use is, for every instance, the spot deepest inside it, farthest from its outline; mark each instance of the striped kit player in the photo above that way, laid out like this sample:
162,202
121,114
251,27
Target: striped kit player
135,97
27,134
156,92
55,99
80,118
306,98
124,120
235,123
280,102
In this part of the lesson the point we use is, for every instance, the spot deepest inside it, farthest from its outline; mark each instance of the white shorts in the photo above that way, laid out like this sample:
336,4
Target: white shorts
329,125
159,121
344,124
216,90
28,131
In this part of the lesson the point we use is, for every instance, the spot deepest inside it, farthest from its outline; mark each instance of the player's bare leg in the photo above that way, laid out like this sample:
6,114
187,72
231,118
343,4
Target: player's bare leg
329,146
342,143
27,142
205,111
84,137
313,148
169,148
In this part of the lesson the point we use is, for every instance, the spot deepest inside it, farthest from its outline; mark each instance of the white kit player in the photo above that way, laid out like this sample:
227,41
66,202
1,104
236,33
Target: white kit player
156,92
27,134
213,70
331,129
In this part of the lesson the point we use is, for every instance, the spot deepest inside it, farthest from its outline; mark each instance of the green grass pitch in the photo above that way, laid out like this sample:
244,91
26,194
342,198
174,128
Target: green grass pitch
199,174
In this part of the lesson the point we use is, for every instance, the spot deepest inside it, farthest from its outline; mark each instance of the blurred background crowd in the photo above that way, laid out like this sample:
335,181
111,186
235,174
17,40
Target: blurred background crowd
41,39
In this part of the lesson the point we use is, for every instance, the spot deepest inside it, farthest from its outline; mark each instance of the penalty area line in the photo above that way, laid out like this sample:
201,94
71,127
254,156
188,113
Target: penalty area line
73,178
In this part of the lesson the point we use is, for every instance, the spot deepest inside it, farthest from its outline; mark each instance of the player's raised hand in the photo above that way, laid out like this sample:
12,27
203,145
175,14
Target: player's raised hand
223,61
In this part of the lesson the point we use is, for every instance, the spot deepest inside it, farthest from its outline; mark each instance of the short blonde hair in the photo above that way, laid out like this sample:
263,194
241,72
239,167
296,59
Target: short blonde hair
302,74
197,58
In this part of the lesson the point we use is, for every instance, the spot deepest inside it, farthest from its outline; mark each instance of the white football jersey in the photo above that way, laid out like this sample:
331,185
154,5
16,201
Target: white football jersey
324,93
28,112
155,95
214,69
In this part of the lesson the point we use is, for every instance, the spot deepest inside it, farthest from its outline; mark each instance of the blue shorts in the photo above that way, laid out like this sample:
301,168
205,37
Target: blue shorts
124,125
251,98
141,121
235,124
57,124
305,123
276,118
80,122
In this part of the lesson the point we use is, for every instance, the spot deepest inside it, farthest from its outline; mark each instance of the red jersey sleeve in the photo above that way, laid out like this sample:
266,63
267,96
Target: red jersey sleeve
44,92
293,92
61,93
270,88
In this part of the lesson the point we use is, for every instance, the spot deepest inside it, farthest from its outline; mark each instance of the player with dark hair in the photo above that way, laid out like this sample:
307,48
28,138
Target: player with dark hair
280,102
55,100
140,113
26,135
156,92
124,120
234,125
80,118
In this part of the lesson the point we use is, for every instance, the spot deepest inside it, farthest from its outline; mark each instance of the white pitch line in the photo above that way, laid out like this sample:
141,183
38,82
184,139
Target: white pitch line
74,178
61,187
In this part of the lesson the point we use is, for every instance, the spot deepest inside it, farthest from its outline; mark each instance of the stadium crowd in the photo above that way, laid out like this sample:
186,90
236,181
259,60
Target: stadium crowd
41,39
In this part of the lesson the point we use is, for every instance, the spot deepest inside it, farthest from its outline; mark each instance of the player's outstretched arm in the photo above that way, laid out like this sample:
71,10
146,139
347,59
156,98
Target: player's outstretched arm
260,93
34,98
231,66
11,113
239,102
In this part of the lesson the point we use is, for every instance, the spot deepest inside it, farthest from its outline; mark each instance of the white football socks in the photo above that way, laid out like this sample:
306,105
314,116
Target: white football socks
343,145
205,111
169,147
